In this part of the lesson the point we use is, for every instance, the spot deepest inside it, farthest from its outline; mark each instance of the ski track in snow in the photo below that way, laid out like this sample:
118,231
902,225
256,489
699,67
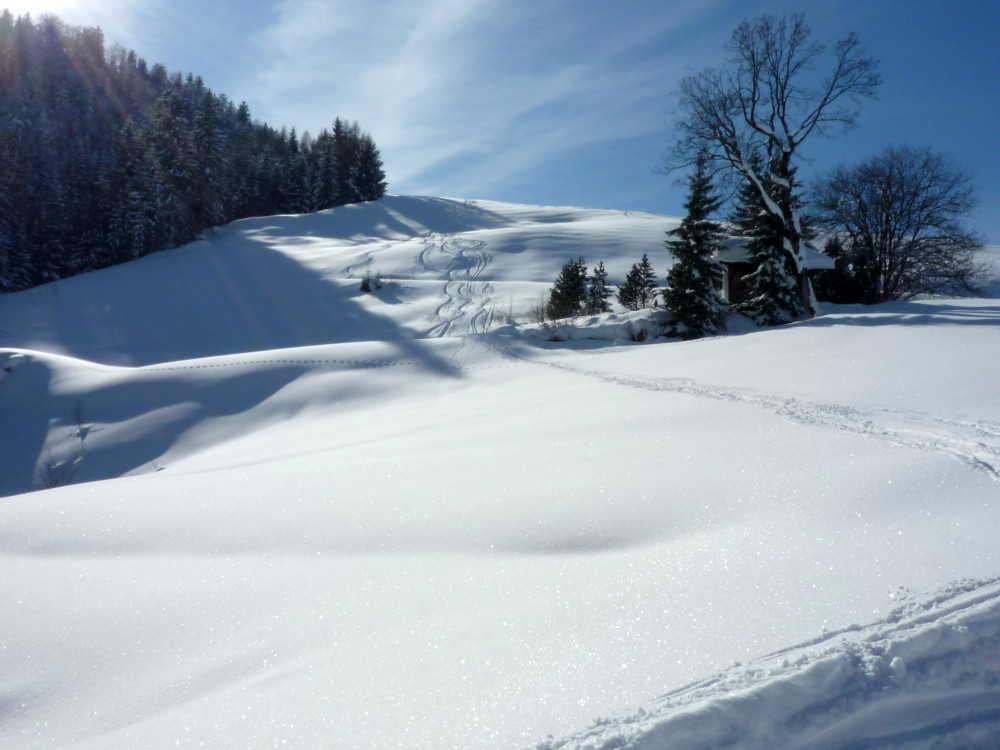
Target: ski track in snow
975,443
364,261
461,261
925,677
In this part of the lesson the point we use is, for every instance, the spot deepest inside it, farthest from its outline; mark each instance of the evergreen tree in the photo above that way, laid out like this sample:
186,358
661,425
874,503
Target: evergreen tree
324,162
212,162
691,296
134,230
345,150
104,159
598,291
569,293
15,267
774,295
639,289
369,177
169,134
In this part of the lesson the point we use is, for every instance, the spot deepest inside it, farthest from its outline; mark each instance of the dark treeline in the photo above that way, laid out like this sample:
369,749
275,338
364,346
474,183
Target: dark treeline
104,159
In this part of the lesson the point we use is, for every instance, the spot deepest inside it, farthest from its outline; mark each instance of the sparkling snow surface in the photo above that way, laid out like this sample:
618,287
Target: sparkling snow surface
305,517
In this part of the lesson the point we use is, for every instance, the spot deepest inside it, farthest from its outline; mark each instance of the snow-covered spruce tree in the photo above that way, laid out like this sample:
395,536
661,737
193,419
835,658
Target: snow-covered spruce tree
569,293
774,294
692,296
639,289
597,291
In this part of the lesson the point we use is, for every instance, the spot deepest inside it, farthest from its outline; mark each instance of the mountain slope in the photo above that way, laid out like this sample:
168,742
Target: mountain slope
291,281
378,530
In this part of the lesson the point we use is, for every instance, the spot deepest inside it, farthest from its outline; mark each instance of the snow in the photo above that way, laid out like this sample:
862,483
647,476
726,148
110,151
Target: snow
734,250
308,517
923,677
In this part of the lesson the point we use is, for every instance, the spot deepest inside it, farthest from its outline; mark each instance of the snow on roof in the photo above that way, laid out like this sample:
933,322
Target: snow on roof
734,250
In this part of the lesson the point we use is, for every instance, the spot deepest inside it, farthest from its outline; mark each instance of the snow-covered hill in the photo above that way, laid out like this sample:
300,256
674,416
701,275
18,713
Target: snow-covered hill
302,516
292,281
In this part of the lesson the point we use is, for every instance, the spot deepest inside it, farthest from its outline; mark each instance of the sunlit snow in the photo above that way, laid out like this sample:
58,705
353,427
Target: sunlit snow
275,511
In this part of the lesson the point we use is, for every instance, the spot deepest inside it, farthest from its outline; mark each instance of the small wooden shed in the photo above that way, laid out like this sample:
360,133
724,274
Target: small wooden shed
738,265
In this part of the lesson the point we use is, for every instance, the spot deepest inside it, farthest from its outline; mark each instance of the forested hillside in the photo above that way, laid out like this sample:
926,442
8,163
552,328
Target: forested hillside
104,158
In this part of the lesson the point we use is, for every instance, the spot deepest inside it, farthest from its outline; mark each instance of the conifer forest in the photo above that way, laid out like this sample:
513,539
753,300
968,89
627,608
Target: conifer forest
105,158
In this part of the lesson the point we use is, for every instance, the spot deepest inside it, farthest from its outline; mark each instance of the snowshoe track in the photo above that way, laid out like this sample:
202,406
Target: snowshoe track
975,443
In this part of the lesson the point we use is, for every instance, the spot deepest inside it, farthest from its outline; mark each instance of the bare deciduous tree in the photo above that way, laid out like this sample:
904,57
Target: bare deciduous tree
764,102
898,216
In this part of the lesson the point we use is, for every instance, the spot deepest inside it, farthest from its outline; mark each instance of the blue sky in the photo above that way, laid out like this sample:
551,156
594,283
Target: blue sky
565,102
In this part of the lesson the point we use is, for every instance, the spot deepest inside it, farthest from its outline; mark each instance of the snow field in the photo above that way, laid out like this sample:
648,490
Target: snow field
315,518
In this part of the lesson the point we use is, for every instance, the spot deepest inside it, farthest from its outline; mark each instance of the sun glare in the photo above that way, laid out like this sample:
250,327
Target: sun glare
36,9
59,8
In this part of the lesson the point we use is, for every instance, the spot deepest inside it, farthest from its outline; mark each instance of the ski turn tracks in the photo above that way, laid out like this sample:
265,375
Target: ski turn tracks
468,305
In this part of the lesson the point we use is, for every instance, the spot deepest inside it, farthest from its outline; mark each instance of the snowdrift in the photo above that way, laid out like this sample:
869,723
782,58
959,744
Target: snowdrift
277,511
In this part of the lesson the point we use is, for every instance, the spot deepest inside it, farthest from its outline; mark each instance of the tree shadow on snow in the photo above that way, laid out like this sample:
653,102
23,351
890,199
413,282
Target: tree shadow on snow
23,430
179,404
208,299
910,313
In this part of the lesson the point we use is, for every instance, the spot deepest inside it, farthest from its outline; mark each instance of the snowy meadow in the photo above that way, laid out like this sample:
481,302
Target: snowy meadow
247,505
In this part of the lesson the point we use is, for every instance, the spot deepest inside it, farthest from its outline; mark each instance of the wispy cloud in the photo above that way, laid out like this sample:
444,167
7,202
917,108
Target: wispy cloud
464,95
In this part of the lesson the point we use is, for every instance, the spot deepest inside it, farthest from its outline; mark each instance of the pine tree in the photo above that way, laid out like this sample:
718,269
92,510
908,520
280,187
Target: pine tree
324,160
15,264
774,295
598,291
212,162
639,289
569,292
345,149
169,135
77,194
134,230
691,296
369,177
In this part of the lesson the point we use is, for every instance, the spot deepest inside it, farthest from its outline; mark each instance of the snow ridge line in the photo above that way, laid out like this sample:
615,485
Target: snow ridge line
174,367
360,363
975,444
